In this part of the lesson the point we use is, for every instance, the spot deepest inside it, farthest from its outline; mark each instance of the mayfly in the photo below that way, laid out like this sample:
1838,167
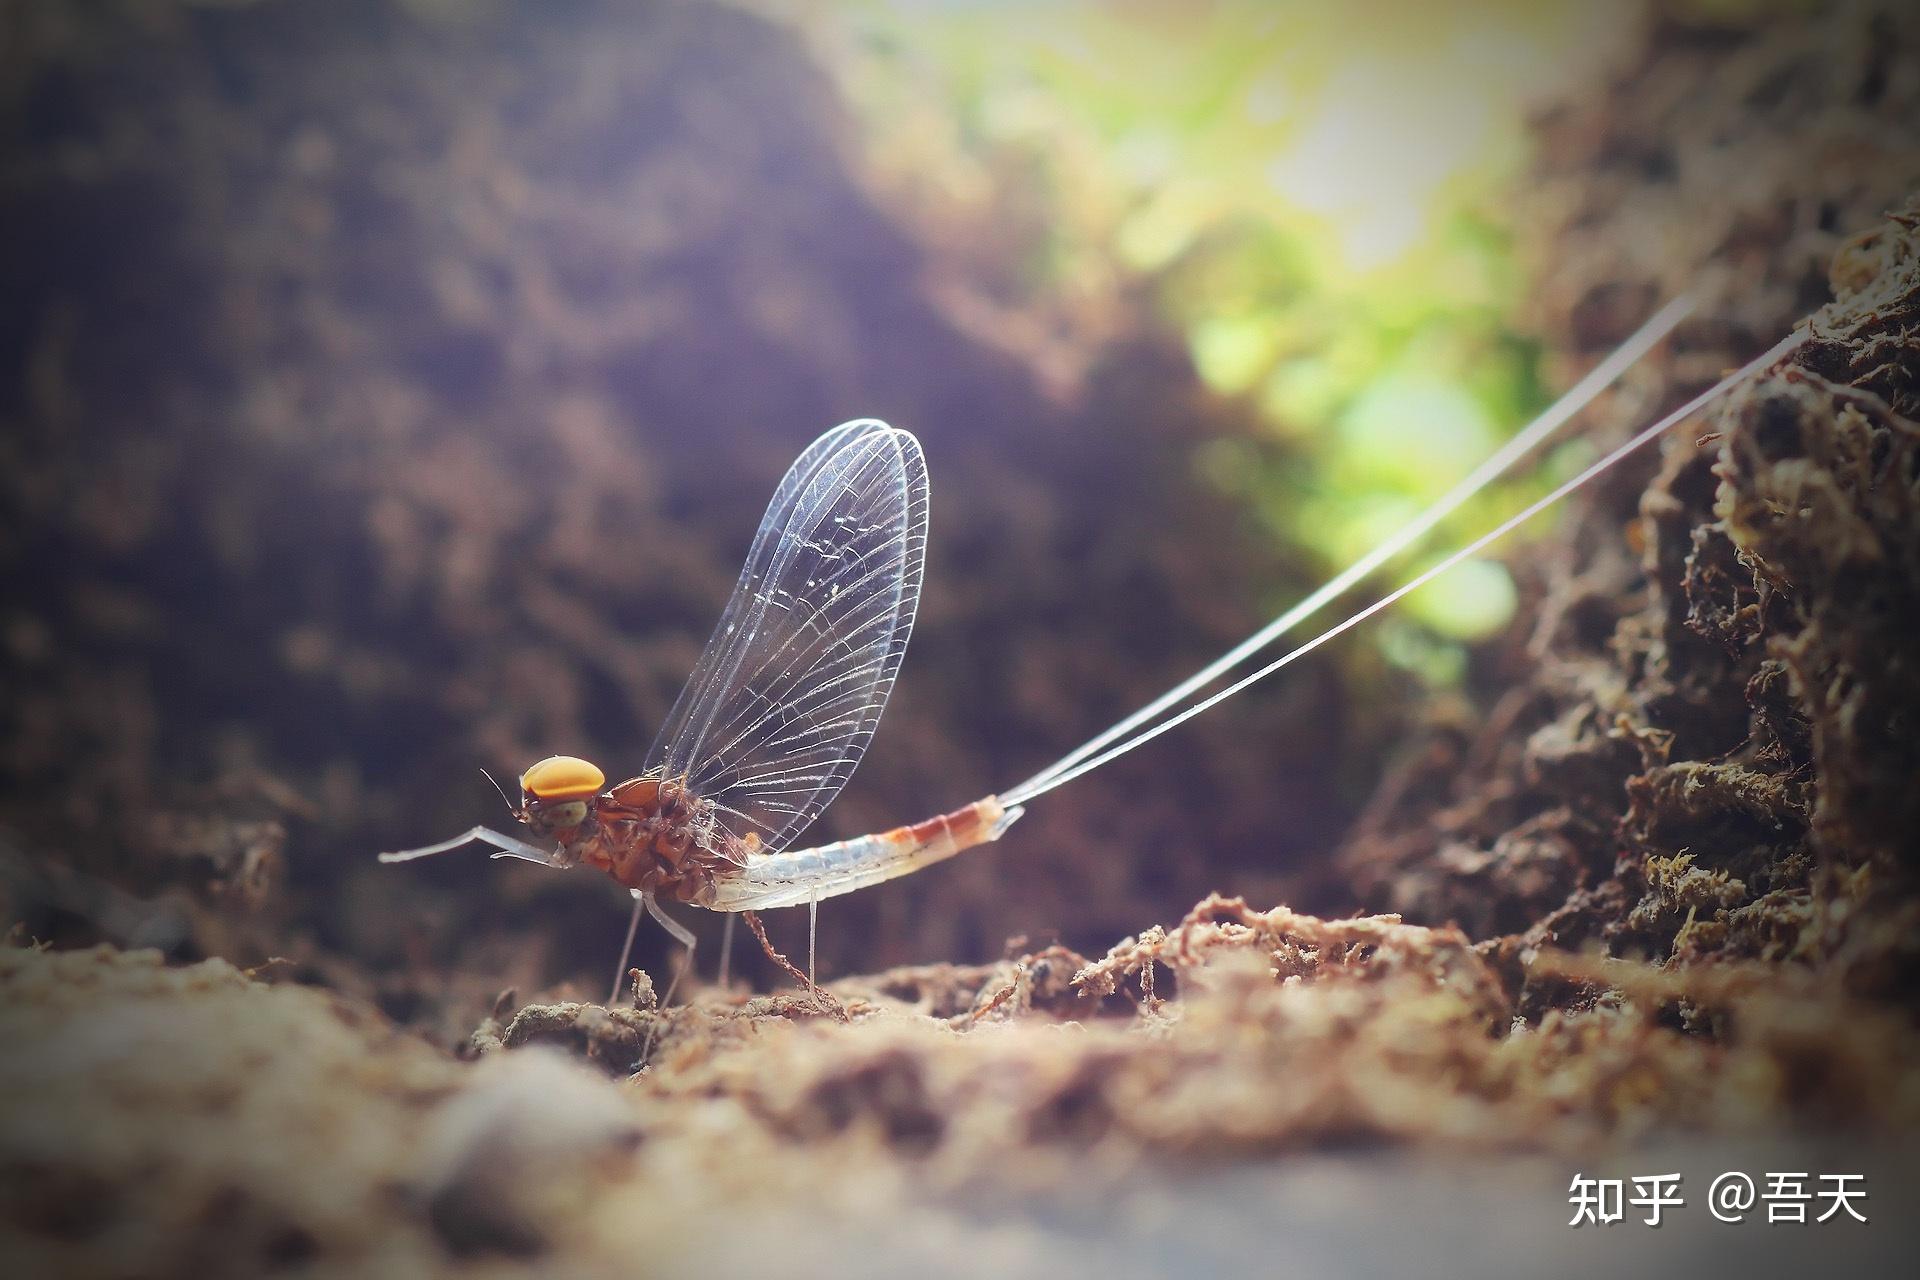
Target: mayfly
776,715
786,696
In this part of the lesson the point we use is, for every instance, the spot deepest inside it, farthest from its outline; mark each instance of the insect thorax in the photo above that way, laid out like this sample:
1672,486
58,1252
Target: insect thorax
661,839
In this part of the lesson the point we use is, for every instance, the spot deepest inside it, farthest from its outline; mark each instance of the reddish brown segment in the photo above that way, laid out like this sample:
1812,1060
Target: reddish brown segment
962,826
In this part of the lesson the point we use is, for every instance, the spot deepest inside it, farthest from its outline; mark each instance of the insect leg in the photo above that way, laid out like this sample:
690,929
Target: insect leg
509,847
626,949
681,934
813,932
726,950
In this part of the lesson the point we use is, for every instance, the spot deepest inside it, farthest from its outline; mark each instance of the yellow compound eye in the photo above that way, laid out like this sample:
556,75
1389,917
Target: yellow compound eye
562,778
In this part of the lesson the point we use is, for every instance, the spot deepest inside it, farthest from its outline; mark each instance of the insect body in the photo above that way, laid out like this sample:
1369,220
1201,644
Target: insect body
776,715
659,839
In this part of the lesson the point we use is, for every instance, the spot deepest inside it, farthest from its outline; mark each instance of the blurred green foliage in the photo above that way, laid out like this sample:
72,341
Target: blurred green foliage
1312,196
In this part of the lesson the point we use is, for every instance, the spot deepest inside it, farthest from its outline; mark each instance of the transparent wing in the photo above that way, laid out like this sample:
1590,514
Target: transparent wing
784,700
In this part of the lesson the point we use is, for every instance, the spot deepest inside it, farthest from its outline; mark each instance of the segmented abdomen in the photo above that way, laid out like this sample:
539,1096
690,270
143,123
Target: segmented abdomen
800,876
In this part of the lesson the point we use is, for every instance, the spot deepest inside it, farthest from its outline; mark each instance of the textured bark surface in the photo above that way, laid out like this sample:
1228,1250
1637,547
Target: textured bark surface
1709,753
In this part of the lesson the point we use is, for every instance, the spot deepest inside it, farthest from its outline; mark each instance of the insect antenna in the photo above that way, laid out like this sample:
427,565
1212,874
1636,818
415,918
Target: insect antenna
502,790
